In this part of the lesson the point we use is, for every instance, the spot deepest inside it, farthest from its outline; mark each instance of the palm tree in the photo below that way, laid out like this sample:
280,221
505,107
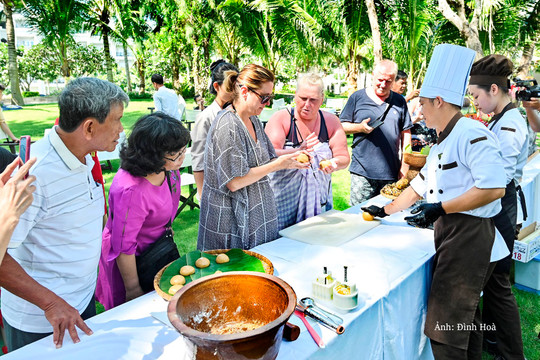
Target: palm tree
12,53
314,32
199,19
529,35
56,20
100,17
353,28
135,25
411,28
375,30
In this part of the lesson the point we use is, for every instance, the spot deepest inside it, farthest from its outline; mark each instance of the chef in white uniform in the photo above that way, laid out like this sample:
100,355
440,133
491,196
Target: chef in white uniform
489,85
462,181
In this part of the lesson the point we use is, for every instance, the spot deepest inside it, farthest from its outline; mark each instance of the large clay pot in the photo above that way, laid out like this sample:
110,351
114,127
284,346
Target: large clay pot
240,297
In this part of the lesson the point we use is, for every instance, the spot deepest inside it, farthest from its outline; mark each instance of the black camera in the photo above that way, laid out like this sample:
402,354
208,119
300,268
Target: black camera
532,90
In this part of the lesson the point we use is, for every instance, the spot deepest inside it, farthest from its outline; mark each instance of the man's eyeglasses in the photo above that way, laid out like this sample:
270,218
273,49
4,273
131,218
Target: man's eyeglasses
177,157
264,98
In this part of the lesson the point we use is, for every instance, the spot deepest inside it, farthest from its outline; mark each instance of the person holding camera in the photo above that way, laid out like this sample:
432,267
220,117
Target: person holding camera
532,108
489,85
16,195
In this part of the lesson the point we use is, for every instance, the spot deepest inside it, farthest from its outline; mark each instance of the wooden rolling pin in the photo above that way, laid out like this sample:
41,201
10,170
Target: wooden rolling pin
291,332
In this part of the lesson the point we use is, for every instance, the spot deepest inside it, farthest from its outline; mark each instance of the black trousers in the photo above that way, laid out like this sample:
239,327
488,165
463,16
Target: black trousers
500,311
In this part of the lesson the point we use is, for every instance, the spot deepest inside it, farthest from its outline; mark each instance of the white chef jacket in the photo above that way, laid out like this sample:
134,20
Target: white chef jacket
513,135
467,156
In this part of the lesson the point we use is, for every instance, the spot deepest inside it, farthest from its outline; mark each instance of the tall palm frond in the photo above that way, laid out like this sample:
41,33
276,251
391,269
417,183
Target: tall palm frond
56,21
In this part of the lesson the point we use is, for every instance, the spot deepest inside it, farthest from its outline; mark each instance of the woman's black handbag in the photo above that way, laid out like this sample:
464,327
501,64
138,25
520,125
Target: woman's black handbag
156,256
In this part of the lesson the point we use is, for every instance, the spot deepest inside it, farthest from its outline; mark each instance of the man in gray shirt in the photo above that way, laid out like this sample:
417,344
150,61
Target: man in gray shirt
375,160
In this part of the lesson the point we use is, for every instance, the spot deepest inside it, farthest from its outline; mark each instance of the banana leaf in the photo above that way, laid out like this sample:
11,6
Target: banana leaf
238,261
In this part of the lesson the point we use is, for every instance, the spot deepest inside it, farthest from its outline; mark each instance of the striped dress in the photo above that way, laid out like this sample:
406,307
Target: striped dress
247,217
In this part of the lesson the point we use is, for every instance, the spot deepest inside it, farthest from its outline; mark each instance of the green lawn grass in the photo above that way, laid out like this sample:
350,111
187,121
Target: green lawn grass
33,120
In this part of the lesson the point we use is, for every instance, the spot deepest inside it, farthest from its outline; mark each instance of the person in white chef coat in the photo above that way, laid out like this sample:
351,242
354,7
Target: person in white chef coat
489,86
462,182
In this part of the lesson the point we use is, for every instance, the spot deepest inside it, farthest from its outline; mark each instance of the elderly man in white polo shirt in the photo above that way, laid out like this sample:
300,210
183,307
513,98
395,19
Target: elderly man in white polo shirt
49,273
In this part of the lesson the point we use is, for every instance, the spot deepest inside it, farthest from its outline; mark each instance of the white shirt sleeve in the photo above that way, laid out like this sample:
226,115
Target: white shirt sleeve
181,106
198,137
158,101
419,183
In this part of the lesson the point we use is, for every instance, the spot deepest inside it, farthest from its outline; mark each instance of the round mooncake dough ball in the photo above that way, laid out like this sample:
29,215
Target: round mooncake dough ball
222,259
202,262
302,158
324,164
178,280
174,289
367,216
218,272
187,270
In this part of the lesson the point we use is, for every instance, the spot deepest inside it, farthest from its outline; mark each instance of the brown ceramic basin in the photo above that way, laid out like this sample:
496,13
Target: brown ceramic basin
415,160
236,298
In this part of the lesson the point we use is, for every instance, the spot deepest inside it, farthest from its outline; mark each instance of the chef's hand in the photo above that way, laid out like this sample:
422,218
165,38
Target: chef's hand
375,211
64,317
425,214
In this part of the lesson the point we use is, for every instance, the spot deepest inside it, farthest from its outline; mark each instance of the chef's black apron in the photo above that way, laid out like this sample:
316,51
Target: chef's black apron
500,306
461,267
505,222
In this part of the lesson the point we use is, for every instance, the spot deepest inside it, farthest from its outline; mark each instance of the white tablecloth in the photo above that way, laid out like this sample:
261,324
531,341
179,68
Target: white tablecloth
390,264
530,184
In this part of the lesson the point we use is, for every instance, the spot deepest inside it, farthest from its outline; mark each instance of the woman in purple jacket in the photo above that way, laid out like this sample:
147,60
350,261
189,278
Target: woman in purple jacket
141,203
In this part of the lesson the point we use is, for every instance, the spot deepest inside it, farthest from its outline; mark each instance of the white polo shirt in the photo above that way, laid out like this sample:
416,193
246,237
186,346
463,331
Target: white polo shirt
58,239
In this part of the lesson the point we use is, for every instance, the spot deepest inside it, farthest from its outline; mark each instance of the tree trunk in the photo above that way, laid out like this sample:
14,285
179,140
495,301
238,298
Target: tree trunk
526,58
64,68
352,75
176,74
107,51
141,72
126,67
13,69
468,30
375,30
198,81
206,62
